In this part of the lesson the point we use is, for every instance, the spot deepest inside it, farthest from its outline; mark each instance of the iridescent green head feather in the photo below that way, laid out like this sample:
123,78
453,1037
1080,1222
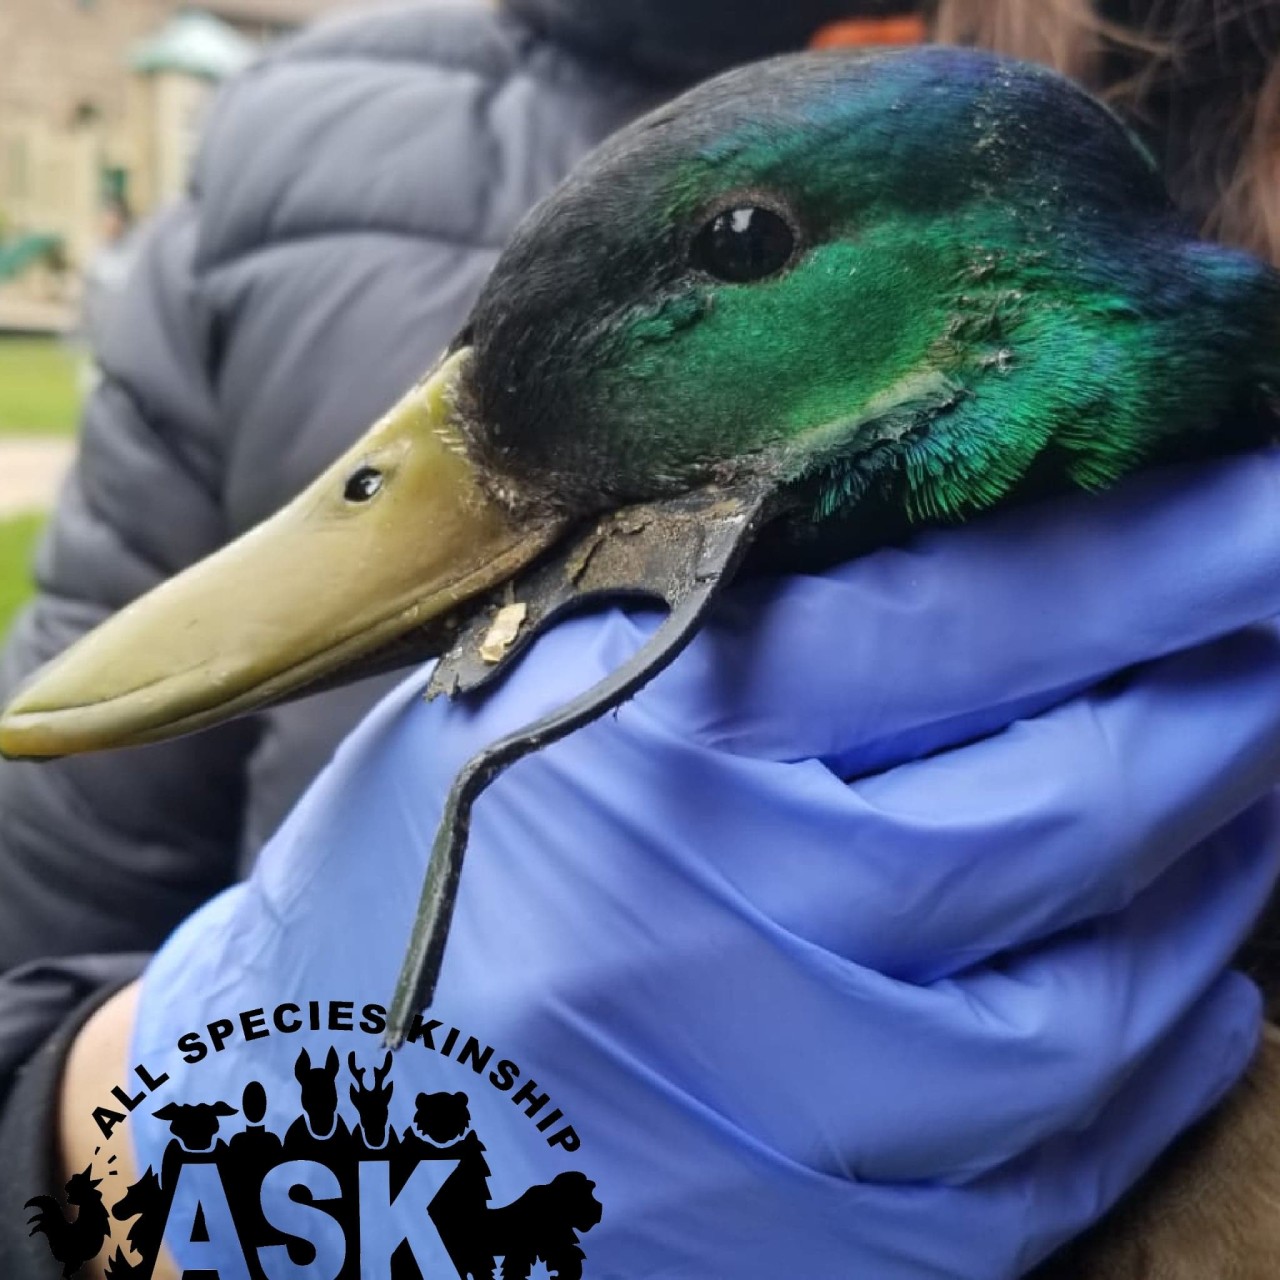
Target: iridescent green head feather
987,286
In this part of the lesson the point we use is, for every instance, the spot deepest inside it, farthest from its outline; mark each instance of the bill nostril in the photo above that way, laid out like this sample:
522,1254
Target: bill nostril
363,484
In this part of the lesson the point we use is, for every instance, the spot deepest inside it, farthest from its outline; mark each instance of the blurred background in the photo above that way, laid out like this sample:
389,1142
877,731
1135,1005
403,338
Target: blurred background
100,109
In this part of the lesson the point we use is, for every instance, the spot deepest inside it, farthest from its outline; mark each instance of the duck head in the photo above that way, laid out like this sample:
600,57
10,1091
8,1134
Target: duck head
826,296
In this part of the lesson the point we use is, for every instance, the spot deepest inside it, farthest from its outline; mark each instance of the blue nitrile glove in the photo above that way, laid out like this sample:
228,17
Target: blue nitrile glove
882,937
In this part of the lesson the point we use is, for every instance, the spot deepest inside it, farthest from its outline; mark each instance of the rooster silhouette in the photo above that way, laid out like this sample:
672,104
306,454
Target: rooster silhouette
73,1243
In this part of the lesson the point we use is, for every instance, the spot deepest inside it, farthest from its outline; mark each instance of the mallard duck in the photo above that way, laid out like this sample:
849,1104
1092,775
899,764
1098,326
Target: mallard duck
778,316
820,300
785,318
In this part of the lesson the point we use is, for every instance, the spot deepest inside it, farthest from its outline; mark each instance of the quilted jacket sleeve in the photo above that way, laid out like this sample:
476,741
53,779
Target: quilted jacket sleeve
109,853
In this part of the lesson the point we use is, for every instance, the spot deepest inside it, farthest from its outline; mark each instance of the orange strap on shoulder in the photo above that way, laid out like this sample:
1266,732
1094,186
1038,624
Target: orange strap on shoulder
906,28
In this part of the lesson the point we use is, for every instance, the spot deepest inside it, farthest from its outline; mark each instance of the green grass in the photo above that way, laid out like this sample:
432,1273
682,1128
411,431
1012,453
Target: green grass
39,392
17,545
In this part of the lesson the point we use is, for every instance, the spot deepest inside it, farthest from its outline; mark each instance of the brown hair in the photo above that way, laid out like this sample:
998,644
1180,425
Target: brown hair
1198,79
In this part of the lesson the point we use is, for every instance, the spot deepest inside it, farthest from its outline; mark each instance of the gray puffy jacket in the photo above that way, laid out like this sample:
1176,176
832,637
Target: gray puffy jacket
352,192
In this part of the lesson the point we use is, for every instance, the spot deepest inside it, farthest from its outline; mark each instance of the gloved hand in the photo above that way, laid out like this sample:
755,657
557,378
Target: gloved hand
883,936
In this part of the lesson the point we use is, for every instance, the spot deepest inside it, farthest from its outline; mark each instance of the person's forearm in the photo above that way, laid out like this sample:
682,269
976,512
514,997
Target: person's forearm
43,1009
99,1061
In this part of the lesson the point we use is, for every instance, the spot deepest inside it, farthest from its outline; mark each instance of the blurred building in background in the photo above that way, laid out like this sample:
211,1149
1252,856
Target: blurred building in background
100,106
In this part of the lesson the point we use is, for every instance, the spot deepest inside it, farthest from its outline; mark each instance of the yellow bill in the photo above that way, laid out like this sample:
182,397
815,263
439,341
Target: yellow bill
397,533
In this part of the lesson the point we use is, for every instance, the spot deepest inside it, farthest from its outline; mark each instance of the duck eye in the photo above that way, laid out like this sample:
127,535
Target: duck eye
744,244
362,484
